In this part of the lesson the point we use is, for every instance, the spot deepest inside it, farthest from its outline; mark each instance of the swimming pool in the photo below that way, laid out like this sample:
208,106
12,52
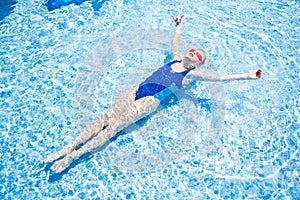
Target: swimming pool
42,59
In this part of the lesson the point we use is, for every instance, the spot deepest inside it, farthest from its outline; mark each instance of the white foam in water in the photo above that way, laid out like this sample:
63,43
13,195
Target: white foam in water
251,134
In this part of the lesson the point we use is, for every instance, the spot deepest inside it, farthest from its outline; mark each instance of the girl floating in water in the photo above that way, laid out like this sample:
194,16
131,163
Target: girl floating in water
143,100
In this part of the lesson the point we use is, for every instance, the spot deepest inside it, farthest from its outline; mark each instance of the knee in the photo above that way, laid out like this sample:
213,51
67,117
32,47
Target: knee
105,120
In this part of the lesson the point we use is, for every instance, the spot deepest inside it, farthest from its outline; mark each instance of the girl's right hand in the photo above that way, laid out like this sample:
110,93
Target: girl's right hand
178,19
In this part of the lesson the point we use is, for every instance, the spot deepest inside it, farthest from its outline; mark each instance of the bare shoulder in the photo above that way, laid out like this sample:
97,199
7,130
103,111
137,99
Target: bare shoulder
194,73
177,56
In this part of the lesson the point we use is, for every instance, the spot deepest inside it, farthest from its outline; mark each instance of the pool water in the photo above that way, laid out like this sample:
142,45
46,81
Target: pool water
42,57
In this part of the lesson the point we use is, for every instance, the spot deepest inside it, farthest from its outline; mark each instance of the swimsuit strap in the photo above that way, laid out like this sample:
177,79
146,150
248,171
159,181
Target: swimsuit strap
183,73
174,61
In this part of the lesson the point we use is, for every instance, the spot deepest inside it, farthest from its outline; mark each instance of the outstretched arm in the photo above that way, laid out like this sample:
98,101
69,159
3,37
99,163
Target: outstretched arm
196,75
176,39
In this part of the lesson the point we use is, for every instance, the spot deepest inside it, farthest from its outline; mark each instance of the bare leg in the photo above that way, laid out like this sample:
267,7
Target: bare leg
84,136
118,107
138,110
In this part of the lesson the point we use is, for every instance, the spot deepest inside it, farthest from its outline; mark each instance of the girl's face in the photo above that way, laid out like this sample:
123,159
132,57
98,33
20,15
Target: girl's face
194,58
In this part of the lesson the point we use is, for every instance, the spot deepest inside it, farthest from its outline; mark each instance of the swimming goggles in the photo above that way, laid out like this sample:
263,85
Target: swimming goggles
197,54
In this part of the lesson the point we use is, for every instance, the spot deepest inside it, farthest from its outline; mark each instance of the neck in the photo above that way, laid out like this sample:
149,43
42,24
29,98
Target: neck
188,65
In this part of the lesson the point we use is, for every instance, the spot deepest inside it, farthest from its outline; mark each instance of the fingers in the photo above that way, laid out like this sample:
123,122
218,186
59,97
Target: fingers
177,19
179,16
255,74
258,73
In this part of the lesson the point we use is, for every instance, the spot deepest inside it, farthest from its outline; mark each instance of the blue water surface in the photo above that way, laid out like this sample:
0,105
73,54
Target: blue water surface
42,51
6,7
55,4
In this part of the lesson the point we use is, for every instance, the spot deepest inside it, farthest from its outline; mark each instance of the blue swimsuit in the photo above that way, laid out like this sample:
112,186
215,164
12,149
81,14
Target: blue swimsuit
162,82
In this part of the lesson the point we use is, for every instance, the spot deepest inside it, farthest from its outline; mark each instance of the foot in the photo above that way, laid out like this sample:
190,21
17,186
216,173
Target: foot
60,165
64,151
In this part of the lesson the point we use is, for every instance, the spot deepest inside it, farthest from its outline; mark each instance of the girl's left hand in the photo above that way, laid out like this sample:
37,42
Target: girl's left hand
254,74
